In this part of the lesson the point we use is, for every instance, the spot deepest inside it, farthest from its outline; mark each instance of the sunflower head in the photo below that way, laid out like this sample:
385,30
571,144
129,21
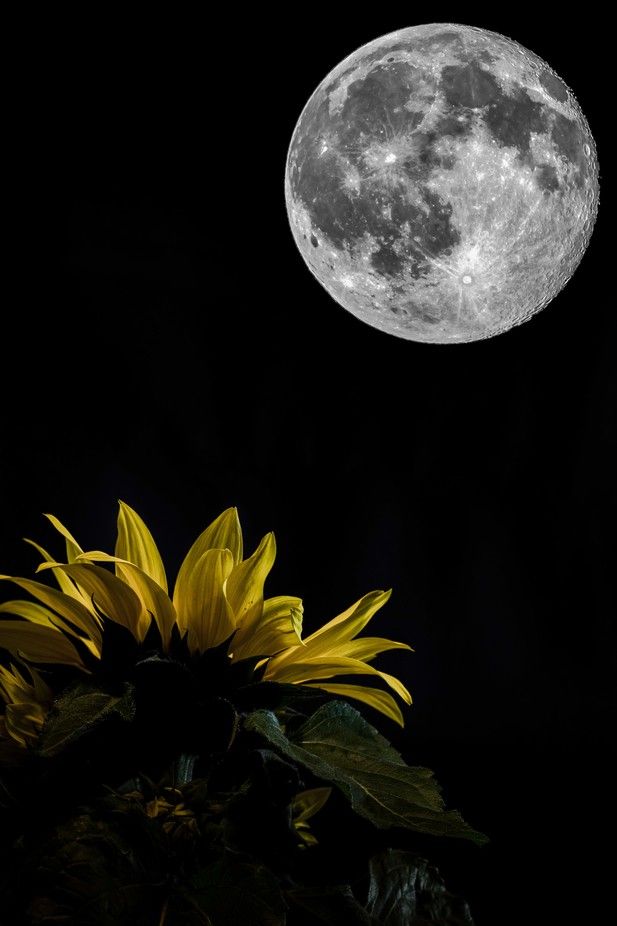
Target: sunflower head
113,612
27,700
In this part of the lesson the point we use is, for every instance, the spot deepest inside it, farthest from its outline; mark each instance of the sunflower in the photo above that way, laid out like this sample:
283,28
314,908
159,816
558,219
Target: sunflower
217,601
27,704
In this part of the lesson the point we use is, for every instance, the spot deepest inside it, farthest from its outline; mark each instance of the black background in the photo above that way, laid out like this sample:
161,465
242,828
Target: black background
164,343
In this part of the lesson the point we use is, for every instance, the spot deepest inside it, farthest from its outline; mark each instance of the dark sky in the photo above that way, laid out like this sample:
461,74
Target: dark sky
164,343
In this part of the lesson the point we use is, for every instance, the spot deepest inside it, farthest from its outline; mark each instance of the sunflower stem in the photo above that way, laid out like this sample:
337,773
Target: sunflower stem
183,769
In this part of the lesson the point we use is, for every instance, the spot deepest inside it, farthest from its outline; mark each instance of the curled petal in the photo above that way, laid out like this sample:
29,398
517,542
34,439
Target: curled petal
269,630
347,625
245,586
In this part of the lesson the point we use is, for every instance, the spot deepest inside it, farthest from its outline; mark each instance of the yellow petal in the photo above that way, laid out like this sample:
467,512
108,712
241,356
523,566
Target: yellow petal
271,629
136,544
110,595
13,686
379,700
39,614
68,587
366,648
36,614
328,667
38,644
42,691
67,607
245,586
397,686
24,721
72,547
202,604
346,625
224,533
153,599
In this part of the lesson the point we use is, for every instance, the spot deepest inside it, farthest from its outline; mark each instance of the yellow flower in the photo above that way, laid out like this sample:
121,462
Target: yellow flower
26,705
217,593
333,650
218,596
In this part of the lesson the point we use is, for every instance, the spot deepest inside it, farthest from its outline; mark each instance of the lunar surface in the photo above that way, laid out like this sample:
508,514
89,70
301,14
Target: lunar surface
442,183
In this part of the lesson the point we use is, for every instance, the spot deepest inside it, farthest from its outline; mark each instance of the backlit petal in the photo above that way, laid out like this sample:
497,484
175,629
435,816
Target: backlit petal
38,644
379,700
366,648
66,585
224,533
346,625
39,614
245,586
275,627
72,547
154,600
202,604
67,607
111,596
328,667
136,544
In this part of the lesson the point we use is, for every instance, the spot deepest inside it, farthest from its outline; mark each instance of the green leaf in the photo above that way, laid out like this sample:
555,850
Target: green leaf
329,905
337,745
96,869
278,696
406,891
78,712
231,891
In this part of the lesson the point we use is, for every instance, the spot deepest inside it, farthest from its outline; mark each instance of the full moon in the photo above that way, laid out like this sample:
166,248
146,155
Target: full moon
442,183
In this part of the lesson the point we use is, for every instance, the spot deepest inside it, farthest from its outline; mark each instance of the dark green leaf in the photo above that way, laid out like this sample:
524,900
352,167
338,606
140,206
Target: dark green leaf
78,712
329,905
339,746
276,696
99,872
407,891
231,891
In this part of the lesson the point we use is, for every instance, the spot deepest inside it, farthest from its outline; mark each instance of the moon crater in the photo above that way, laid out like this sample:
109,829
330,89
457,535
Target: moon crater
442,183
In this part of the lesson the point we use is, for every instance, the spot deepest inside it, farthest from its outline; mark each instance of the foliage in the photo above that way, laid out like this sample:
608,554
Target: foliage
188,760
339,746
235,835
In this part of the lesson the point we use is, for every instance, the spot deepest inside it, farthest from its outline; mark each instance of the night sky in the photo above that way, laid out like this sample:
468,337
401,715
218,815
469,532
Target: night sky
164,343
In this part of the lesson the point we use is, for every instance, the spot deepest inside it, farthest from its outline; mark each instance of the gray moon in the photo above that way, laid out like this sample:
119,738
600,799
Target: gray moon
442,183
